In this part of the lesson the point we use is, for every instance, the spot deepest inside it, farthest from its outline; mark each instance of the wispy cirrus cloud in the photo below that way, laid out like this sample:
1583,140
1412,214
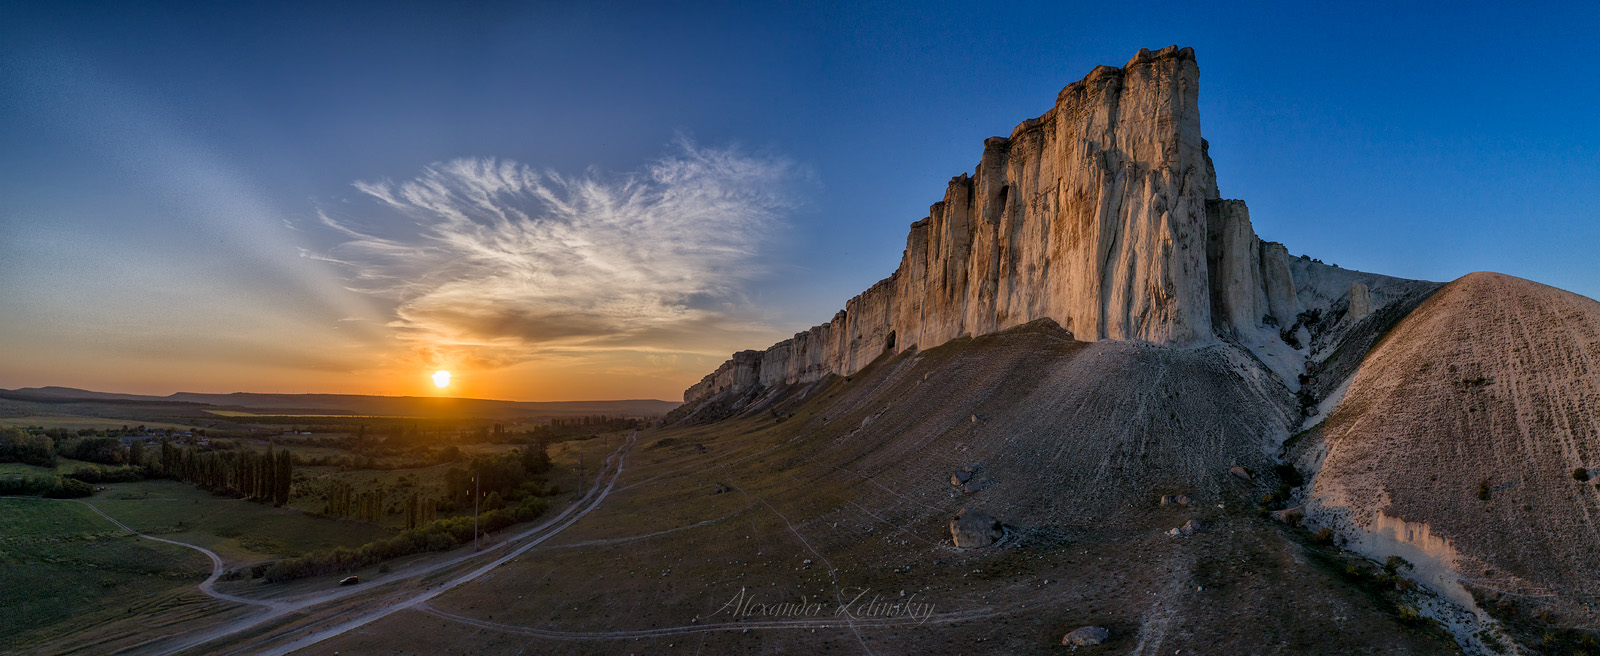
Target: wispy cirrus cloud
496,263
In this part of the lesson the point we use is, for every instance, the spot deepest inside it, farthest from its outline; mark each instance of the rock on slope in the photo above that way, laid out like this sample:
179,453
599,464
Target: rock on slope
1103,215
1456,444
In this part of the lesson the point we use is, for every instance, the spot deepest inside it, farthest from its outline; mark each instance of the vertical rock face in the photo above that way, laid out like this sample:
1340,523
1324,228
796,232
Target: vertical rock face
1233,257
1360,302
1102,215
1278,283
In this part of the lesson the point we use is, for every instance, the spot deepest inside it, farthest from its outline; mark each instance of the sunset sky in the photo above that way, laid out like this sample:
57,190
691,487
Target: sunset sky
555,201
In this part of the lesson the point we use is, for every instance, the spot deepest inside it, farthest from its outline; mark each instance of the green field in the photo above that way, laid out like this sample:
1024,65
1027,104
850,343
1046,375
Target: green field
64,565
242,532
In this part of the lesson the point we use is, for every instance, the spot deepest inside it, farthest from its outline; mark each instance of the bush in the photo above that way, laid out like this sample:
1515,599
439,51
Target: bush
1483,490
438,535
69,488
1323,536
17,445
95,475
50,487
104,450
1581,474
1409,615
1289,475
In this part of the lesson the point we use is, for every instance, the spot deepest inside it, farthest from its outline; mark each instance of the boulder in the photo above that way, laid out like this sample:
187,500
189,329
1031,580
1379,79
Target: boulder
975,486
961,476
1175,500
1290,516
975,528
1241,473
1085,636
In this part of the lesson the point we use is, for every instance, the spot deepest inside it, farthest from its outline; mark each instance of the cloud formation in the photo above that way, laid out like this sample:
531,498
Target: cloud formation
497,263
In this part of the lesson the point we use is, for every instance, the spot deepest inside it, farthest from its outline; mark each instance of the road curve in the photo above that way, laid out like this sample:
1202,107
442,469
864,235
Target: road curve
621,456
216,562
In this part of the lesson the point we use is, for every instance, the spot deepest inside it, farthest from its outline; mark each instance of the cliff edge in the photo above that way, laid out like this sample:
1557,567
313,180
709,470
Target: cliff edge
1102,215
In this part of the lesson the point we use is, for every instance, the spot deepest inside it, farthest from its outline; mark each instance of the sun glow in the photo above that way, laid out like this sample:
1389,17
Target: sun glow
441,379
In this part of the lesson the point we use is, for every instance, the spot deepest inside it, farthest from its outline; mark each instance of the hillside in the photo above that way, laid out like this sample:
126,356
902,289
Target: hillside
1452,425
1458,441
843,488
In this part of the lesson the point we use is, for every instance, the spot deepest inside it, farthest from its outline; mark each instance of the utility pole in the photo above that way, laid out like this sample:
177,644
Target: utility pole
580,473
477,491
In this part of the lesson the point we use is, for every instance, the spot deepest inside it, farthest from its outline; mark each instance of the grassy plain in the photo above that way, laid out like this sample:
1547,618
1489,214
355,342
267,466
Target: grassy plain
242,532
66,567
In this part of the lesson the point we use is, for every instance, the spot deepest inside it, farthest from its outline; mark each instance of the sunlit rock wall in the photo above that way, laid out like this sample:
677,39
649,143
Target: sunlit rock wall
1094,214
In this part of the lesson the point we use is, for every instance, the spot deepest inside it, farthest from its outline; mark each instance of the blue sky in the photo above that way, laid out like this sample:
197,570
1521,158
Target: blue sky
191,195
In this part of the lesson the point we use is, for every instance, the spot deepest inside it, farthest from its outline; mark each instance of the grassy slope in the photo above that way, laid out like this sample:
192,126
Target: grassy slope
66,568
240,531
866,502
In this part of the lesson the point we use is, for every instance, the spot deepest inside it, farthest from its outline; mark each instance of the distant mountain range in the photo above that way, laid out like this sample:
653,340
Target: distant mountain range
354,404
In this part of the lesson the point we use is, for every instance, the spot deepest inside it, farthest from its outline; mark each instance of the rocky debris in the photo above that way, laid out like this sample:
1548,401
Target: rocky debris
975,486
1176,500
721,488
1290,516
1085,636
1242,474
974,528
1189,528
1360,303
963,475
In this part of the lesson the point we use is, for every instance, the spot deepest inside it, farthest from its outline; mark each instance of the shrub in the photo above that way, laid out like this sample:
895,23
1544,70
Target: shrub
17,445
1483,490
1581,474
95,475
1289,475
438,535
1323,536
1409,615
68,488
1395,563
51,487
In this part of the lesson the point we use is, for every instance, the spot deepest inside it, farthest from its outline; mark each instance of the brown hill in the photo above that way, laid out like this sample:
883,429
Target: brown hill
1459,441
846,486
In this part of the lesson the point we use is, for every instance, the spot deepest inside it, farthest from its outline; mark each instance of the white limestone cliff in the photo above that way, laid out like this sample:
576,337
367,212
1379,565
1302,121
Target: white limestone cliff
1102,215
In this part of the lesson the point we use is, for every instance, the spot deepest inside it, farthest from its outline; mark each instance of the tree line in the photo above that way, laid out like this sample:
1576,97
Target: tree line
260,476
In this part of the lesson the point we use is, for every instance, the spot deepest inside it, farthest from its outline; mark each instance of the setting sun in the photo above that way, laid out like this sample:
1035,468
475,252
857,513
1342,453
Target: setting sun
441,379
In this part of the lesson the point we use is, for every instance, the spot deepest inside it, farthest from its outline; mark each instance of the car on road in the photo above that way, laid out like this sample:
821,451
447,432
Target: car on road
350,580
